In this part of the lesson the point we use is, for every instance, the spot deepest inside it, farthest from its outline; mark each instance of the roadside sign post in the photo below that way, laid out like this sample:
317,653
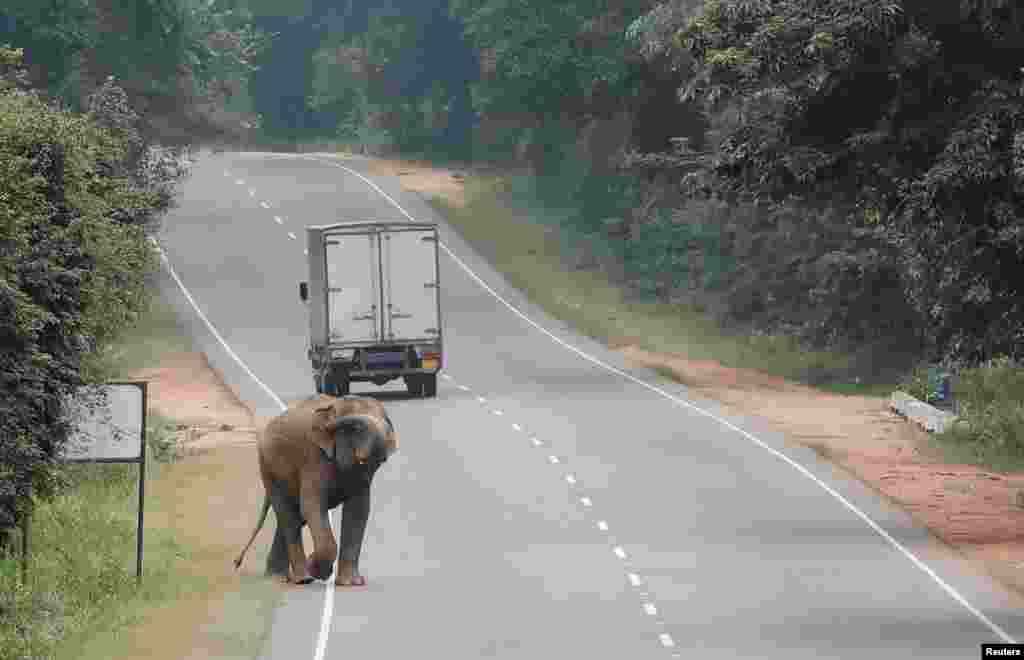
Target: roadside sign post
24,543
98,442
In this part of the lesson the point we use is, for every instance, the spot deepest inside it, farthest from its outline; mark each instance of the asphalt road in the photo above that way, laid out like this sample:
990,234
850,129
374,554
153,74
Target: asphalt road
543,505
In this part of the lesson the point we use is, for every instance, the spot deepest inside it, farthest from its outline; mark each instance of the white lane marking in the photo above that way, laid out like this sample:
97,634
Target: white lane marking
666,640
552,459
586,501
951,591
328,612
498,413
517,427
292,236
619,552
213,330
480,399
536,442
252,193
650,609
278,219
570,479
227,174
265,205
634,579
240,182
602,525
328,615
463,388
305,252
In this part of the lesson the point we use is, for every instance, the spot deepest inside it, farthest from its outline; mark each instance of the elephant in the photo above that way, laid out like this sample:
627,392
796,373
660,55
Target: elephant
319,454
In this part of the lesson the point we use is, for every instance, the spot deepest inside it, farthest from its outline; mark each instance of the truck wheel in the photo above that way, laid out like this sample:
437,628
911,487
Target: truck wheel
341,387
428,387
414,385
318,384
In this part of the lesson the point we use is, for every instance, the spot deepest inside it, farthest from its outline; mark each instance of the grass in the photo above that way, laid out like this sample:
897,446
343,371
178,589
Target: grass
525,245
81,576
157,333
991,402
80,592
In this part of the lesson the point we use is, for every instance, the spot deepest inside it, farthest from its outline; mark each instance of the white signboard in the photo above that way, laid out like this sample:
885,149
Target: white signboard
112,432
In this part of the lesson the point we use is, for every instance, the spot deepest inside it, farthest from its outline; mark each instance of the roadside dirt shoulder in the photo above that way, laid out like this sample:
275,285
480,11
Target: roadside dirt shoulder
978,513
209,497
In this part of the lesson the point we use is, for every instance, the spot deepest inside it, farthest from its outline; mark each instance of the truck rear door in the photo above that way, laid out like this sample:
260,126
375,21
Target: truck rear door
411,295
353,287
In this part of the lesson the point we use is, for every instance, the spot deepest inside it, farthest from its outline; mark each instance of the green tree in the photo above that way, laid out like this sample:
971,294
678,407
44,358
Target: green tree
544,59
905,116
74,257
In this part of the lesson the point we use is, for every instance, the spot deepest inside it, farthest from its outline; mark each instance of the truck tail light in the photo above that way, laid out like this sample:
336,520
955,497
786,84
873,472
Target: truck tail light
430,359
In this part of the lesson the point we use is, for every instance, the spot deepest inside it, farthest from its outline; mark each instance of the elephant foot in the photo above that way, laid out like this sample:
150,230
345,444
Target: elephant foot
354,581
348,575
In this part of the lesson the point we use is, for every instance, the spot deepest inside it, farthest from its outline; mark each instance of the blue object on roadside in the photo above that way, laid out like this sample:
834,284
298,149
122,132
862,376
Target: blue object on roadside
939,387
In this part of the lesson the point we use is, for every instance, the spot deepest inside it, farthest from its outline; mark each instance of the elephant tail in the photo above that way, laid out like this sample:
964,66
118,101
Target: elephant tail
259,526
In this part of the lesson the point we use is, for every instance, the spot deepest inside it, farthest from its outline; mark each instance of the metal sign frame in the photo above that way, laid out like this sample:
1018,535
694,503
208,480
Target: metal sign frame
140,459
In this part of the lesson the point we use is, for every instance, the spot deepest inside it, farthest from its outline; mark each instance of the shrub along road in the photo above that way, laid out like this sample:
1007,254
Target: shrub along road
546,505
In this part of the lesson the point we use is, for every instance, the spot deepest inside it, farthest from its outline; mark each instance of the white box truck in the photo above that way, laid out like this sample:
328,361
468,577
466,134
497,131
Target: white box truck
374,305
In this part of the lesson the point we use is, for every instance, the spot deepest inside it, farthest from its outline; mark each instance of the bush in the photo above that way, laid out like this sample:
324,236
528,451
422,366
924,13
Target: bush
991,407
78,194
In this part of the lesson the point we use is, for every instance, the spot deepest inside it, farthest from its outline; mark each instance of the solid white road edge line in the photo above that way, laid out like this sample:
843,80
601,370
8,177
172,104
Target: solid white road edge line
328,613
952,592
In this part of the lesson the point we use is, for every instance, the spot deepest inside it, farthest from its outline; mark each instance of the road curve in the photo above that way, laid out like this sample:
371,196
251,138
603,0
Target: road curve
547,504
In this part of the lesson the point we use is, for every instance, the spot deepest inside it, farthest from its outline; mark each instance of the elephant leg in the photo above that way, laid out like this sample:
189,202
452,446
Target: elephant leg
277,560
354,516
289,529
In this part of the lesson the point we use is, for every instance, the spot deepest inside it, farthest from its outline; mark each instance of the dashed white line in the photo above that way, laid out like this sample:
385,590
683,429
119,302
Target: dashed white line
570,479
252,193
536,442
586,501
619,552
517,427
265,205
650,609
240,182
498,413
227,174
292,236
634,579
480,399
305,252
278,220
463,388
552,459
666,640
602,525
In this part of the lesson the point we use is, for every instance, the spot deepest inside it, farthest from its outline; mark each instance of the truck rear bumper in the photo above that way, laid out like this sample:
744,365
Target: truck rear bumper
369,373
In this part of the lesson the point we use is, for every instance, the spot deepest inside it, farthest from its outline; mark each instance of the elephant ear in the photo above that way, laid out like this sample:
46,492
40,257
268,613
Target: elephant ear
391,440
324,424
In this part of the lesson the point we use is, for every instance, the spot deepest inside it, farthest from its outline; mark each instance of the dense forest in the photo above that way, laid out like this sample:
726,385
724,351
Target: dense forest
850,172
846,171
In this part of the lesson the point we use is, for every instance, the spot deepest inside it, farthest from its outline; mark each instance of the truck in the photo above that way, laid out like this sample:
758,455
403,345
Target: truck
374,303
